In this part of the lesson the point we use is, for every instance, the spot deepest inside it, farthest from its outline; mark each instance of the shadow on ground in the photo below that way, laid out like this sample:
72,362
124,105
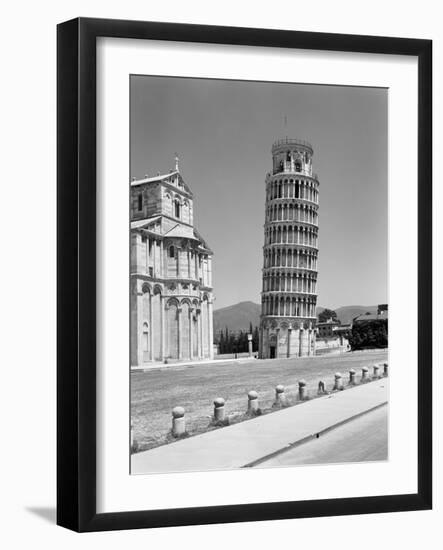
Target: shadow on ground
46,513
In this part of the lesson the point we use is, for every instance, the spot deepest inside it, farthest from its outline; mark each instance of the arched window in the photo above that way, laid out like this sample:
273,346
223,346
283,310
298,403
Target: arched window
140,202
171,252
298,166
176,208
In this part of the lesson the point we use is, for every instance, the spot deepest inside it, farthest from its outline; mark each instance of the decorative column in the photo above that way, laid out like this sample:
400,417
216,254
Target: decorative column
209,271
289,340
191,333
151,330
139,294
210,329
309,338
154,256
179,251
300,337
162,261
200,335
163,326
179,331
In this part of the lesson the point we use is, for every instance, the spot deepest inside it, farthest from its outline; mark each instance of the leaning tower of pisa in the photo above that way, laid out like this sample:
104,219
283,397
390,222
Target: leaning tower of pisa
289,299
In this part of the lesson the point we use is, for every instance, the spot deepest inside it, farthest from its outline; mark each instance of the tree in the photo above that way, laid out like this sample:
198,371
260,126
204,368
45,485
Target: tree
369,334
255,339
327,314
222,343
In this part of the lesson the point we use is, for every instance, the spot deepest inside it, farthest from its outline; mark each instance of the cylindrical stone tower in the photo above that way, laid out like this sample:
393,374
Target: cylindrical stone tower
289,299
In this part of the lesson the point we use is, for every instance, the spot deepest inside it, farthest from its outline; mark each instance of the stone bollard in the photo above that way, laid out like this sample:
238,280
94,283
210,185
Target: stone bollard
219,409
321,388
352,377
364,374
252,402
385,370
302,390
376,376
280,399
338,383
178,421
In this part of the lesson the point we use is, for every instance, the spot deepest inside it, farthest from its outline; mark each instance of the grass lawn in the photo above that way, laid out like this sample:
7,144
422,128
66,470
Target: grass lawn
155,393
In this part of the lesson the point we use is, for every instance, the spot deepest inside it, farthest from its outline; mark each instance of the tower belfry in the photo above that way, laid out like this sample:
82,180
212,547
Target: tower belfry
289,293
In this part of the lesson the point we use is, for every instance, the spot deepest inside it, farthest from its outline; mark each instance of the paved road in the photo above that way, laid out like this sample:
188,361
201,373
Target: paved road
363,439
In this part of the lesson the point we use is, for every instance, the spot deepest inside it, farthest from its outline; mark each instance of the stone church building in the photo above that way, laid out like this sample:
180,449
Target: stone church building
289,288
171,274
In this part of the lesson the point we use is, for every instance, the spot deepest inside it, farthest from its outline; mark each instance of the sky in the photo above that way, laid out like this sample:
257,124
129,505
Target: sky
223,132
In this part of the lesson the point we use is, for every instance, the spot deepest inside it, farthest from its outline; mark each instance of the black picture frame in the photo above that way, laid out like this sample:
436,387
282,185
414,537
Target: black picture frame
76,273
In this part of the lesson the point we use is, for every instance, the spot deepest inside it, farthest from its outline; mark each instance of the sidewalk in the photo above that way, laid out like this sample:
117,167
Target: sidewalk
252,441
189,363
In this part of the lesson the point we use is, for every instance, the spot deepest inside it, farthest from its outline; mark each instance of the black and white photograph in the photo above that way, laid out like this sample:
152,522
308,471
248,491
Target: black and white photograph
221,266
259,307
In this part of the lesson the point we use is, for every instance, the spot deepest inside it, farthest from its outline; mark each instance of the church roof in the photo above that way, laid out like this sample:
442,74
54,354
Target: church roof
154,178
182,231
145,222
179,230
164,178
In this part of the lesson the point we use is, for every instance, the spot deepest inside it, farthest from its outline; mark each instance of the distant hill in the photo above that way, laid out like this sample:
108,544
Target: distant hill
238,316
347,313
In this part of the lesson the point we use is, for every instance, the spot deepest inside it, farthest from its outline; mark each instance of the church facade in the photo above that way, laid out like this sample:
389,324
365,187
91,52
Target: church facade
289,285
171,274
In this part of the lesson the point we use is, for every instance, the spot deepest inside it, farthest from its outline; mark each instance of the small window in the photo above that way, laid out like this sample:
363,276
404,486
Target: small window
177,209
171,252
140,202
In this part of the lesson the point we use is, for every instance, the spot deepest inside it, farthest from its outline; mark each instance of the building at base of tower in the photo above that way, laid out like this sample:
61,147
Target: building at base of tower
171,274
282,339
289,293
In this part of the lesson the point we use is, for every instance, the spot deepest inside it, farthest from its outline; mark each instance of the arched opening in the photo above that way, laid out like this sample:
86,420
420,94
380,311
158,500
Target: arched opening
177,208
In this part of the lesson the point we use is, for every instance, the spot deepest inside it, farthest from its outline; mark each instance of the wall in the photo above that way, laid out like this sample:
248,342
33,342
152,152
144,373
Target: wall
28,342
